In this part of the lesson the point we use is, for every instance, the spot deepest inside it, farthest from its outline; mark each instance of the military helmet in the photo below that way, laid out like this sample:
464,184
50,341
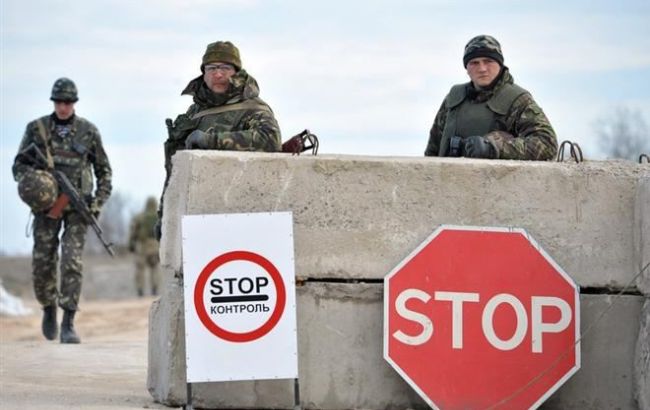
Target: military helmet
151,204
64,90
483,46
38,189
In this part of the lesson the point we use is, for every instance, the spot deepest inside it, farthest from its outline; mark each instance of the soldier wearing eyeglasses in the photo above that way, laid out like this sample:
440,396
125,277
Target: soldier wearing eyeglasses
227,112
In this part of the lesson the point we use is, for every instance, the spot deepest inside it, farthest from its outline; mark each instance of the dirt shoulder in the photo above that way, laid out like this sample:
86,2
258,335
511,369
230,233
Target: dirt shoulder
107,371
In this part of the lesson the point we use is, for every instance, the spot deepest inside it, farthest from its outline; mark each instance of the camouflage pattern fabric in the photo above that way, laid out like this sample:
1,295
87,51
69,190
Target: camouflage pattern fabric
38,189
483,46
45,258
147,258
526,135
77,151
145,246
237,130
64,89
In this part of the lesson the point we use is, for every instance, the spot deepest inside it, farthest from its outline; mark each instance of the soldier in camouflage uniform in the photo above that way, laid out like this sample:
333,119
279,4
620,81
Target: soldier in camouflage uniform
143,243
227,113
72,145
491,116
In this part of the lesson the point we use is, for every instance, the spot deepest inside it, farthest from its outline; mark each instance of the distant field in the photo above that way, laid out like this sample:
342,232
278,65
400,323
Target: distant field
104,278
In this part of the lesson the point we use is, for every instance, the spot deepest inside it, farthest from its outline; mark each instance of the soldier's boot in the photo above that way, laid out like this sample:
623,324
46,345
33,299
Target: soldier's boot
68,334
140,293
154,291
49,326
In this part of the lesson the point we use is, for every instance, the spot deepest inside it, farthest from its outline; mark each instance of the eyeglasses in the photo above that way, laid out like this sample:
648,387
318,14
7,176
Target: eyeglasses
222,68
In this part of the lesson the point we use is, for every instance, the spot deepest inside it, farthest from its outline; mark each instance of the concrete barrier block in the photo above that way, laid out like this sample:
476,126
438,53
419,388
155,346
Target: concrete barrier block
166,364
341,350
357,217
642,233
606,378
642,360
174,206
341,365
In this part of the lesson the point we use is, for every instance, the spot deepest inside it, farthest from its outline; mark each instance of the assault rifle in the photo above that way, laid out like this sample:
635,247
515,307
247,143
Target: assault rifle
68,195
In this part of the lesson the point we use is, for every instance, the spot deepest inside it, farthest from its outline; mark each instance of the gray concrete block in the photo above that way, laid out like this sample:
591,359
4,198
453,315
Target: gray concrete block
341,350
642,234
606,377
166,364
341,365
642,360
357,217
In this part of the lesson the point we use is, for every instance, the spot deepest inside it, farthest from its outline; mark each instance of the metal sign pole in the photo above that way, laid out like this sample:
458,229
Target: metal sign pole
296,395
188,406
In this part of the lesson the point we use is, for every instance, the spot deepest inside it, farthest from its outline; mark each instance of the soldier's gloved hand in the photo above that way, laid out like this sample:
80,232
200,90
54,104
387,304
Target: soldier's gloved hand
95,208
478,146
157,229
199,139
293,145
131,247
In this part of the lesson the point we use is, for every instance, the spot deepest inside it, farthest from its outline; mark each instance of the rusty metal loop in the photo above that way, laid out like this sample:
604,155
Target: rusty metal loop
574,150
647,158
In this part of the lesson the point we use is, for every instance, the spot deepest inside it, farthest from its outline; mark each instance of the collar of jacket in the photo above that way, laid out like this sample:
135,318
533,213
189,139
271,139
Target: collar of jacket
484,94
242,87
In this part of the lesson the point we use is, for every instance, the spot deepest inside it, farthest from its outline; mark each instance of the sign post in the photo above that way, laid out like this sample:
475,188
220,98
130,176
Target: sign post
481,318
239,292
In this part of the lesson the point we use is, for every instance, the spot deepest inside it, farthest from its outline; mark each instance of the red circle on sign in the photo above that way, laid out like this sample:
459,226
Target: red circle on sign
202,280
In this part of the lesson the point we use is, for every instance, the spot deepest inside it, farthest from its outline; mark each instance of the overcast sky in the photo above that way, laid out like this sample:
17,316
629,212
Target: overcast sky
366,76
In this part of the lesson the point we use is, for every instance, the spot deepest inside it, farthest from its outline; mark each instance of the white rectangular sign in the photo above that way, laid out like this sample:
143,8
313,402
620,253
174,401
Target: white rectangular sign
240,297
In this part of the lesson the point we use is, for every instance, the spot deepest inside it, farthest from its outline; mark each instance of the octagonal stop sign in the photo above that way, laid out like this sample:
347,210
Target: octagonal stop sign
479,318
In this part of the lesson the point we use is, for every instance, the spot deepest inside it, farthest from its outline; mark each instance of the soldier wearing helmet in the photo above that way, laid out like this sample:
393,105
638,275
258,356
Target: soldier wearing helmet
143,243
73,146
490,116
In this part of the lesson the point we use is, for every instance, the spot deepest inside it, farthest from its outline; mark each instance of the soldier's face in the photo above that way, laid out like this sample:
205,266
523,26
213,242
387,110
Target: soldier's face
217,76
63,109
482,71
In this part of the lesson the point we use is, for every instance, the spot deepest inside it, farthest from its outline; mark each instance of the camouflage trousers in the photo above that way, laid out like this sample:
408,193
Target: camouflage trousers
45,258
147,257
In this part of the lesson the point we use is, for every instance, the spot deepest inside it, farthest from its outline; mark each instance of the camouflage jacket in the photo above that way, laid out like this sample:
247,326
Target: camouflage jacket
250,127
142,227
76,150
523,132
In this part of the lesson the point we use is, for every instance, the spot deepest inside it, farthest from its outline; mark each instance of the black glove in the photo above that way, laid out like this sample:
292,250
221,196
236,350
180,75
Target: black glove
132,247
477,146
199,139
157,229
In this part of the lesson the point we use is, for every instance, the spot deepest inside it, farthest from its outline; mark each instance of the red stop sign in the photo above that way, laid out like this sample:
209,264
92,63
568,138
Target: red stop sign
479,318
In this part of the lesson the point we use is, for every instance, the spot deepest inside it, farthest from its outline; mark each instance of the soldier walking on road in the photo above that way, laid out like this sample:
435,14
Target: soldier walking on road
73,146
491,116
143,242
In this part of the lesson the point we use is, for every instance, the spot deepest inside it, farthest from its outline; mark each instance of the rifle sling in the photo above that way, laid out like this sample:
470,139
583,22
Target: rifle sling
243,105
44,136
